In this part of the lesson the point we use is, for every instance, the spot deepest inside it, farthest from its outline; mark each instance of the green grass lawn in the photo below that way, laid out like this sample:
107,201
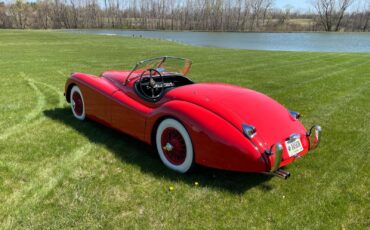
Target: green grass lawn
56,172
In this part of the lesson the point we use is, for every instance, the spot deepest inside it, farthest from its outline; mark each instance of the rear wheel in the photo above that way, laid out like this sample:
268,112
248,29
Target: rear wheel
174,145
77,103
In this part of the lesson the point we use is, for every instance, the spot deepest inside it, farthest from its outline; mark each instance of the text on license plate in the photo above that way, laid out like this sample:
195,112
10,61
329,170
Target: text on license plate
294,147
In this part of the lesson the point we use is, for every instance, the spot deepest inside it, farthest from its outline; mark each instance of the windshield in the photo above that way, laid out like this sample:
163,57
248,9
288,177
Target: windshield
165,65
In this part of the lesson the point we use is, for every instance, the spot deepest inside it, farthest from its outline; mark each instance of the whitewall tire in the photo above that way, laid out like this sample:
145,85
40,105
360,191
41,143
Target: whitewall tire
77,103
174,145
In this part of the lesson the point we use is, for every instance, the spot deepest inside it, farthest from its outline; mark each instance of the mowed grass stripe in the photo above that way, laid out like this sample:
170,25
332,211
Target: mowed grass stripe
249,78
327,87
289,63
256,60
353,66
292,61
344,163
289,69
269,61
336,65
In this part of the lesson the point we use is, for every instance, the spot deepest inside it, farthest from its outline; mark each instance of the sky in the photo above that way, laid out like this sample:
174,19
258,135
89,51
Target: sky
305,5
297,4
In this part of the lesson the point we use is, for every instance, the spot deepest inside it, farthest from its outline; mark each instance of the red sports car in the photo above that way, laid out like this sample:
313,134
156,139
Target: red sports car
215,125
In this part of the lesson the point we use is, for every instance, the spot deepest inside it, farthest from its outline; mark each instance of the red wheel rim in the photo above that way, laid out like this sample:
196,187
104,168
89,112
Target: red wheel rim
173,145
77,103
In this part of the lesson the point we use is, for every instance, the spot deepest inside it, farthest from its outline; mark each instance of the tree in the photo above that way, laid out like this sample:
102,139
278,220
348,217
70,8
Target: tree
2,14
331,12
260,8
18,11
366,18
208,15
43,14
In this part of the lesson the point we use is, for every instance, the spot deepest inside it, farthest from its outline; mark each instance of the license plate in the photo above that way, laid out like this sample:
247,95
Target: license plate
294,147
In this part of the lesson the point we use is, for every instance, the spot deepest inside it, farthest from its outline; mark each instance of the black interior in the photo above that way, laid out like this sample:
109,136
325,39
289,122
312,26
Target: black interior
169,82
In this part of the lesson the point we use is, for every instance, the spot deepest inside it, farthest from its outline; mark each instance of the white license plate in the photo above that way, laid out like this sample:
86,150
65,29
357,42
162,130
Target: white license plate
294,147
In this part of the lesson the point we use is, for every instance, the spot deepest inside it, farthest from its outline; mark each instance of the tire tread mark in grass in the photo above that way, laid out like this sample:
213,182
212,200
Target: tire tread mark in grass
61,99
40,105
39,188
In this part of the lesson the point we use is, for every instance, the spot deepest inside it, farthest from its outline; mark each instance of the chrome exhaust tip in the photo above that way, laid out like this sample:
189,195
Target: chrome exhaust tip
281,174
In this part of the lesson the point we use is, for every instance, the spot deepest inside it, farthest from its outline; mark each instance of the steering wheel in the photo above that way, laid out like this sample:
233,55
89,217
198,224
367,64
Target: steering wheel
149,87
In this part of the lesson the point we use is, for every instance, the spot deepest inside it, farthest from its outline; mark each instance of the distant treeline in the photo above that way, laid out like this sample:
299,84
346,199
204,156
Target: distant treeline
199,15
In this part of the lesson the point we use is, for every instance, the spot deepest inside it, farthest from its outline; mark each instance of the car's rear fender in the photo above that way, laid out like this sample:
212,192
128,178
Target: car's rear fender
216,142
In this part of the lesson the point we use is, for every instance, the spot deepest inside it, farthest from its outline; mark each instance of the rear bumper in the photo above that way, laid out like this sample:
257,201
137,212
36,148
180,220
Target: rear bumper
278,153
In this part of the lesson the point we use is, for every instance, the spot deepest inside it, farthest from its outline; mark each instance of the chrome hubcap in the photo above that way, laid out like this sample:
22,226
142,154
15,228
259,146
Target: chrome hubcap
168,147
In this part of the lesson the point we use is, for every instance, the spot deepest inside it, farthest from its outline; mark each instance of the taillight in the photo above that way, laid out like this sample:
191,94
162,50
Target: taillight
294,114
249,131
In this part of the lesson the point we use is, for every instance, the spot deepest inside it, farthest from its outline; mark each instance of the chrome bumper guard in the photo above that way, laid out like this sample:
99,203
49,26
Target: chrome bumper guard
278,156
277,151
314,136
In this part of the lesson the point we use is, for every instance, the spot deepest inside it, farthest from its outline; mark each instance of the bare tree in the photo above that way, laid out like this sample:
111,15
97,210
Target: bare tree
207,15
17,10
331,12
260,10
246,14
43,14
366,18
284,15
2,14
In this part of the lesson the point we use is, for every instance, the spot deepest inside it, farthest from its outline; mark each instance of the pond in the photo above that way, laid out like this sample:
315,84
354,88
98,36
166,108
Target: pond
323,42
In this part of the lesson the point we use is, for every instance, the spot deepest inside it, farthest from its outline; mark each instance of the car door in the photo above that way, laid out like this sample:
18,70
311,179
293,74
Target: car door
97,94
128,115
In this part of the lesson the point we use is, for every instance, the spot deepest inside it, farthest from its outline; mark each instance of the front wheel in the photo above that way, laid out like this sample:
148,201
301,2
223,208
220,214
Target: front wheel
77,103
174,145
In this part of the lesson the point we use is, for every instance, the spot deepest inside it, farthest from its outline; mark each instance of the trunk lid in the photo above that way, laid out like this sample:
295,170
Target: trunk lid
240,105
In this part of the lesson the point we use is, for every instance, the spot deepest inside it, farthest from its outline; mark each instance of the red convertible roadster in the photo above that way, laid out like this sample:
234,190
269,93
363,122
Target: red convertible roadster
210,124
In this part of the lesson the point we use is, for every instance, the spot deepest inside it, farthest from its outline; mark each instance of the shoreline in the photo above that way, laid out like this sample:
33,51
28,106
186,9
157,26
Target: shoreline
239,32
293,42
